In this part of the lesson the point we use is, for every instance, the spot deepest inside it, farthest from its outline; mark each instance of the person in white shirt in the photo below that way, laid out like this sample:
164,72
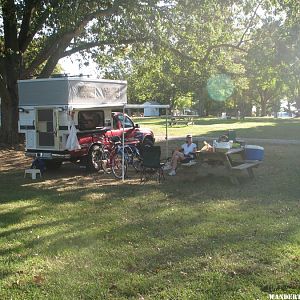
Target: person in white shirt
185,154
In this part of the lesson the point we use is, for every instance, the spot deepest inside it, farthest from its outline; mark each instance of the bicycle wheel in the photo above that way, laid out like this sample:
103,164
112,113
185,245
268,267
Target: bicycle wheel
116,165
105,162
133,157
137,161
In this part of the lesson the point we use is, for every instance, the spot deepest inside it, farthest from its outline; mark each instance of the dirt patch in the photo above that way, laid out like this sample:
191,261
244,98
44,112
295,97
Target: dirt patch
12,159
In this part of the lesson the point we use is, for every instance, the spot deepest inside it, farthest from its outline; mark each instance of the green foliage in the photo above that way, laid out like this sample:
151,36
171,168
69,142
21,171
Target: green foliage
165,49
220,87
193,41
34,35
182,102
183,55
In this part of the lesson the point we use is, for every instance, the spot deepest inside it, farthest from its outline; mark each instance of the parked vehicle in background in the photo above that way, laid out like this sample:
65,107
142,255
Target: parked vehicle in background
90,139
49,107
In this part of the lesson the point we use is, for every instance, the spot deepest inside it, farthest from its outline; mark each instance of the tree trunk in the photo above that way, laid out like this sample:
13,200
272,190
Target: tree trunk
263,111
10,102
263,104
201,107
297,100
199,95
9,121
9,76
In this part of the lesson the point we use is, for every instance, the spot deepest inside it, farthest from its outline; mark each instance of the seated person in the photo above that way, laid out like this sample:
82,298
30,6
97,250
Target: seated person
185,154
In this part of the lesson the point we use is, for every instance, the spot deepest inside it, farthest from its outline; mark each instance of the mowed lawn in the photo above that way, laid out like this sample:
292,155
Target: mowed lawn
76,235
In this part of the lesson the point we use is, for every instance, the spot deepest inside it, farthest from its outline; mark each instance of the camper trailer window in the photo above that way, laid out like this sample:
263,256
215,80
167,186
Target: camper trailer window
90,119
45,115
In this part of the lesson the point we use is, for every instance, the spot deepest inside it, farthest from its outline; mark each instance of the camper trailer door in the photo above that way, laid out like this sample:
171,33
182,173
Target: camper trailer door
27,126
46,128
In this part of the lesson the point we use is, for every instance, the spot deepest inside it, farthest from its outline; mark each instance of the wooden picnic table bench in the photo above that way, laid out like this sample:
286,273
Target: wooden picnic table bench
182,119
233,160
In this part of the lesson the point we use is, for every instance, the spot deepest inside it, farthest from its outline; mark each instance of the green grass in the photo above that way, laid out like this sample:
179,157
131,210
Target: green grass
81,236
262,128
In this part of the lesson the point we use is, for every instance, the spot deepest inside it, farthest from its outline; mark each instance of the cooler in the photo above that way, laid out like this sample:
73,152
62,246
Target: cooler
253,152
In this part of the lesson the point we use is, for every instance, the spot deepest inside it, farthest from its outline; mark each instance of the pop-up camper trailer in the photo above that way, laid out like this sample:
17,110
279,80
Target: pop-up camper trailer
48,107
70,118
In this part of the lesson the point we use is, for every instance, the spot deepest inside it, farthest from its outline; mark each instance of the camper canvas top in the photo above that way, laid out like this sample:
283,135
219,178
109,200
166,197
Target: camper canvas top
75,91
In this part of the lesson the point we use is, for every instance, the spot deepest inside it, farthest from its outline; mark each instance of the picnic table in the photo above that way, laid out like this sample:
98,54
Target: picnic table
233,160
182,119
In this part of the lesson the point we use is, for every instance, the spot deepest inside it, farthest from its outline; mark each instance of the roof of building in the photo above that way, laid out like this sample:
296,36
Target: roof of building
152,103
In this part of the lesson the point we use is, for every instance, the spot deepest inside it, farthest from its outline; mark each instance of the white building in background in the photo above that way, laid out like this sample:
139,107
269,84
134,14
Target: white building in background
285,114
151,111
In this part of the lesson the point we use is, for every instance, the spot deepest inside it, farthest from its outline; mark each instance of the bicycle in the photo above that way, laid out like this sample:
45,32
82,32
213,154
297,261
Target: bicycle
112,156
133,156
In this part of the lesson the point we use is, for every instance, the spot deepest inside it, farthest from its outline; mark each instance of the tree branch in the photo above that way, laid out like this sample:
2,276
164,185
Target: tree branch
211,48
205,58
249,24
24,34
178,52
54,58
41,57
58,43
65,40
29,30
10,26
87,46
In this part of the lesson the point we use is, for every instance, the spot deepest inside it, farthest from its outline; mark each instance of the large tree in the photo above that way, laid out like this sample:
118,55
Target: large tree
35,34
191,42
196,40
188,41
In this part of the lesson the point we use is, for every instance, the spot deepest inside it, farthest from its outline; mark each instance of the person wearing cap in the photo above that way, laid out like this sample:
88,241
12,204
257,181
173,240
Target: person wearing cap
184,154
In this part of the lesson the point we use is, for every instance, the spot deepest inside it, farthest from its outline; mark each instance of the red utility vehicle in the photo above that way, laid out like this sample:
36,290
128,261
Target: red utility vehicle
91,139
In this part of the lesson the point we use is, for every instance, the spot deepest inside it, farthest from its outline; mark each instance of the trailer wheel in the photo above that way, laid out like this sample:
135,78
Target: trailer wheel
94,158
52,164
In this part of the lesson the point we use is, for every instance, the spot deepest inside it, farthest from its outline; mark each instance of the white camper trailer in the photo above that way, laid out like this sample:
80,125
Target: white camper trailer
68,118
48,107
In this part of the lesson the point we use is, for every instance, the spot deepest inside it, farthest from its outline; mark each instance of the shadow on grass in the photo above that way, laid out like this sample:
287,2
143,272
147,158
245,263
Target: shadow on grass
178,232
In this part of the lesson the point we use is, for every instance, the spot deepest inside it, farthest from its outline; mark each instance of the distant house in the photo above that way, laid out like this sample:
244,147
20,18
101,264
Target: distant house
284,114
151,111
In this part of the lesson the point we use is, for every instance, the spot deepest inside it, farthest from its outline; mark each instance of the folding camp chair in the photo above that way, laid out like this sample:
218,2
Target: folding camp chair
151,167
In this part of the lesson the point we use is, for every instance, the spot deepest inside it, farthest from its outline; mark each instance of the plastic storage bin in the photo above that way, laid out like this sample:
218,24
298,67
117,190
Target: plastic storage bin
221,146
253,152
